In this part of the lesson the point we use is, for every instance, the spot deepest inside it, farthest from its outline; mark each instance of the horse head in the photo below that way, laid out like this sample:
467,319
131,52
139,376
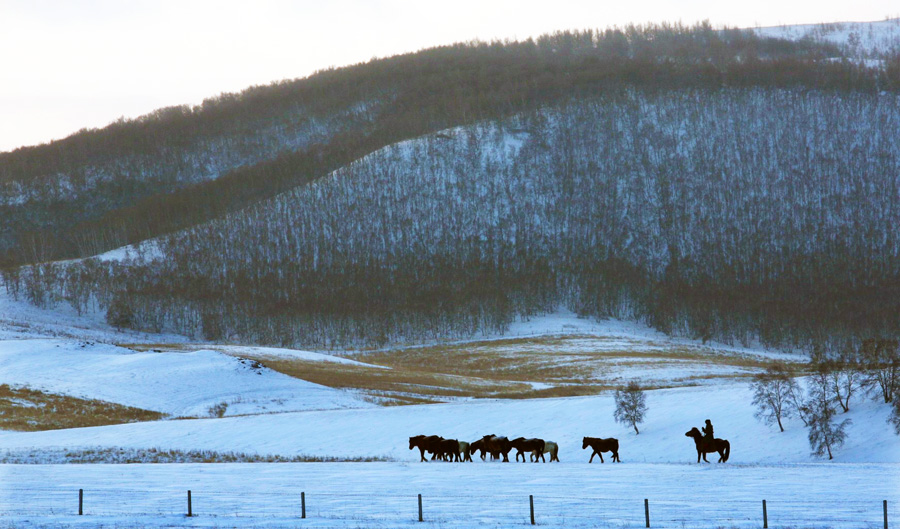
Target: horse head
413,441
693,432
584,443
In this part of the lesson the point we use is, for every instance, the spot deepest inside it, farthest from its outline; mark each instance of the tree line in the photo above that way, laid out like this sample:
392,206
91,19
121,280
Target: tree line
180,166
741,215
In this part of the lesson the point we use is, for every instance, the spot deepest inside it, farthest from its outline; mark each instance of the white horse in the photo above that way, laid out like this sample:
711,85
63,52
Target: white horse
549,448
464,451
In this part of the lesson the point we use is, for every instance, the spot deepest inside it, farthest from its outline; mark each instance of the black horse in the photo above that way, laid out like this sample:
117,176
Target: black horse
705,446
602,445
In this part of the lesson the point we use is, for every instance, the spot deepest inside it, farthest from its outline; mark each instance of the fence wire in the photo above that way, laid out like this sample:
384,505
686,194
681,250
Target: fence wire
363,509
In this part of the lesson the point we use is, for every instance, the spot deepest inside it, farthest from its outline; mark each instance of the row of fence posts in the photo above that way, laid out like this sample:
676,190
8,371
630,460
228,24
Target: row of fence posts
190,510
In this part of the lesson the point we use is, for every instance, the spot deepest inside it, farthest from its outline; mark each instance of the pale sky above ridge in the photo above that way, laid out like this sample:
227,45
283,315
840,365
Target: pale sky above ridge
67,65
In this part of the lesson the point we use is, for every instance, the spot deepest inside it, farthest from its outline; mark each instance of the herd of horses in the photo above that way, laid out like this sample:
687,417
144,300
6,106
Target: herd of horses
498,447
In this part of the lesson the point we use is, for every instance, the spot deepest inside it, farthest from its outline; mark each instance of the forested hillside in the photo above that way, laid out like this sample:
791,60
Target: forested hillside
137,179
728,213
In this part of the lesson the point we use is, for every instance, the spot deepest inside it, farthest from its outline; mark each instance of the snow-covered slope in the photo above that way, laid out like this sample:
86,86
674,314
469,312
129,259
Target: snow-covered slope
176,383
384,431
859,39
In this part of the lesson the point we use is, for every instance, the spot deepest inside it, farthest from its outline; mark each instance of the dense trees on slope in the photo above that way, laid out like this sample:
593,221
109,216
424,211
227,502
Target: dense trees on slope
726,213
179,166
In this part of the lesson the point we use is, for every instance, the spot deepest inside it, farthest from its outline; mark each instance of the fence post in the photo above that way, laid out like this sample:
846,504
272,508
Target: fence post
302,505
531,505
647,511
885,515
190,510
765,516
420,508
81,502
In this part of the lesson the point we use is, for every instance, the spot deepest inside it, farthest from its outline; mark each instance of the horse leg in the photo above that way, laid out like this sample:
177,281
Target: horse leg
616,457
592,456
422,453
601,456
698,455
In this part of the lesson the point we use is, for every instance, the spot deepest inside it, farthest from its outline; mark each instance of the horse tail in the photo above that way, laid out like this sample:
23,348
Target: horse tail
727,451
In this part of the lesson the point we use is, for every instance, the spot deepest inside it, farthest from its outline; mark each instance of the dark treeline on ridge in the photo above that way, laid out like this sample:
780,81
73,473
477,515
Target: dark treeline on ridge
180,166
736,214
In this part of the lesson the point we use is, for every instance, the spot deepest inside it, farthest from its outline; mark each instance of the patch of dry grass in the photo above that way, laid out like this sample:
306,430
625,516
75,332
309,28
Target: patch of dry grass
28,410
397,385
160,456
562,366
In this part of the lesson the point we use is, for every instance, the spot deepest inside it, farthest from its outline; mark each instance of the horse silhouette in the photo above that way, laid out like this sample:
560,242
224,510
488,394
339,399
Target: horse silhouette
704,446
549,448
478,446
602,445
430,443
449,449
523,446
496,446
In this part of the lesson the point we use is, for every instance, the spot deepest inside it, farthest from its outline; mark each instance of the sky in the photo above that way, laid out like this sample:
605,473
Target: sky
68,65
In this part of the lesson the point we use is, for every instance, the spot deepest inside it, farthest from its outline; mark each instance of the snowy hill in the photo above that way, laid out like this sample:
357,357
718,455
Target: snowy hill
176,383
868,40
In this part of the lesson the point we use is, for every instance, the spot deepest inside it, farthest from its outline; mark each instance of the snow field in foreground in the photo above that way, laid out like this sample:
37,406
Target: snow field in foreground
362,495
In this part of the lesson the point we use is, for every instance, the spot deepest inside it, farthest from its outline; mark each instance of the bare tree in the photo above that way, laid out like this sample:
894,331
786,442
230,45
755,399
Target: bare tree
894,418
881,358
846,376
772,394
825,433
631,405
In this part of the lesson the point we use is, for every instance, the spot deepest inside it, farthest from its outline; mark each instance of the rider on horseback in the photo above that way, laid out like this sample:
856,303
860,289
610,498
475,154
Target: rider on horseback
708,433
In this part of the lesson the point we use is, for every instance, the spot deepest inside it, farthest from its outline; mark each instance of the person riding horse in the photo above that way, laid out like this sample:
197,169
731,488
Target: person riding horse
708,433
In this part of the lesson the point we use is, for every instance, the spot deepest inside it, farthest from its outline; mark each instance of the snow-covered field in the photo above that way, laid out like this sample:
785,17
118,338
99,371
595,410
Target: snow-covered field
273,414
659,464
454,495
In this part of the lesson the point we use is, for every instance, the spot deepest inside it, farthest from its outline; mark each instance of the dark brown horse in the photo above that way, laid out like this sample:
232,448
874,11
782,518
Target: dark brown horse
497,446
602,445
704,446
426,442
449,450
523,445
478,446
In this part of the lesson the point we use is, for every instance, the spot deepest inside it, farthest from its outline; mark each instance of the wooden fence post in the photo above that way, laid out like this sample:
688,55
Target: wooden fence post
885,515
647,511
302,505
420,507
190,509
531,505
765,516
80,502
